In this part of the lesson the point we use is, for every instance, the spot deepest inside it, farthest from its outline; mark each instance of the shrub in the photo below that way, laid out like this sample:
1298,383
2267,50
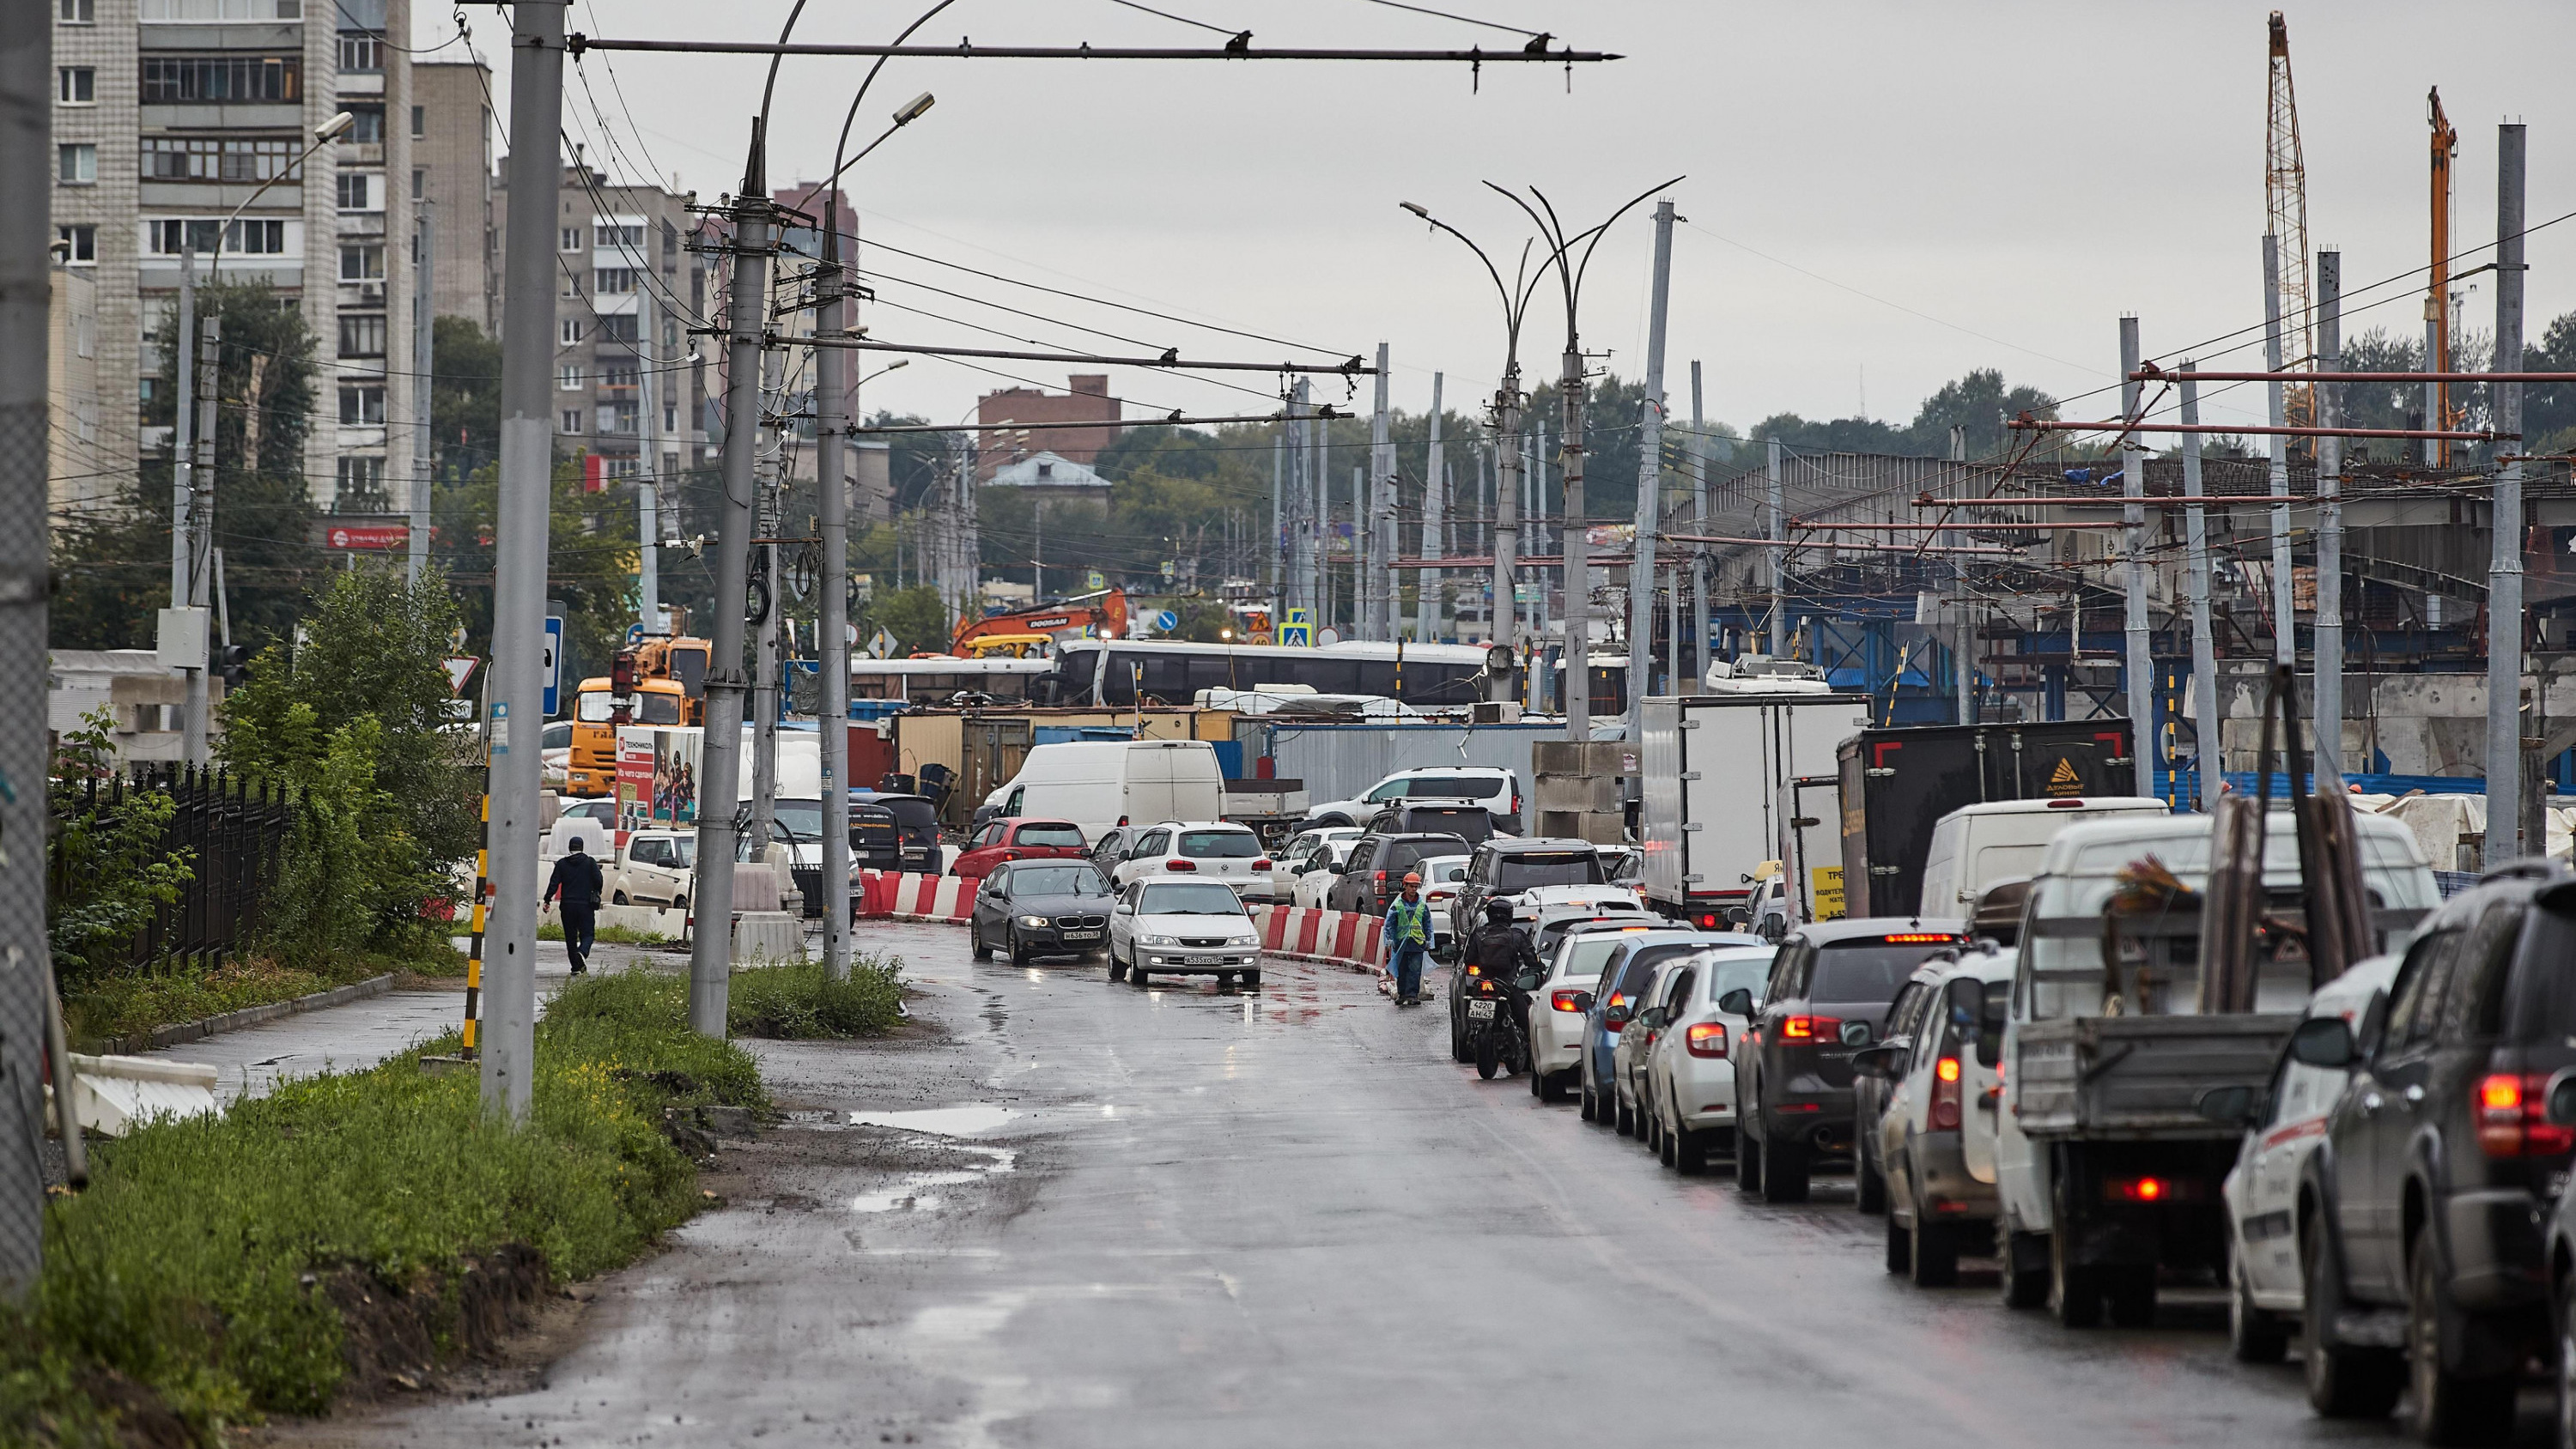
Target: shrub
798,1002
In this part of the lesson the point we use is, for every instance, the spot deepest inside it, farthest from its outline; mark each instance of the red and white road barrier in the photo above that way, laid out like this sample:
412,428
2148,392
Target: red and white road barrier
890,896
1341,938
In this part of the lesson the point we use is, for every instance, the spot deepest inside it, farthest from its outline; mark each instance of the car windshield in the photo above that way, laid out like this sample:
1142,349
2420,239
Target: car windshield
1404,853
1520,870
593,706
1868,970
658,709
1449,787
800,819
1220,844
1061,836
1059,880
1731,969
910,811
1582,958
1190,898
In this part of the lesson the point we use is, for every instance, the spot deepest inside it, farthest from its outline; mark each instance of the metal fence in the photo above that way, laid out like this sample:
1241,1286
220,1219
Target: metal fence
234,838
1339,761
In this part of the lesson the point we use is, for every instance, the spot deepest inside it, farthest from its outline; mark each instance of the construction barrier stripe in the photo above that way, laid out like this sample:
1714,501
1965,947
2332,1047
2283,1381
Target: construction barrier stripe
1345,937
482,891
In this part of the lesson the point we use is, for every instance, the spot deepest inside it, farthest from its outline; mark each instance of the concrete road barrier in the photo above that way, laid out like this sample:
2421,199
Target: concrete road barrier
763,937
1341,938
114,1095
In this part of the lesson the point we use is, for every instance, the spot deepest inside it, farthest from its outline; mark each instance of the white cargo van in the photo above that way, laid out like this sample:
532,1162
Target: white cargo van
1976,845
1105,784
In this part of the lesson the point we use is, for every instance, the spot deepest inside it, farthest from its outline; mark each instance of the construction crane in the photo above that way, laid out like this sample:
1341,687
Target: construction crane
2285,193
2437,299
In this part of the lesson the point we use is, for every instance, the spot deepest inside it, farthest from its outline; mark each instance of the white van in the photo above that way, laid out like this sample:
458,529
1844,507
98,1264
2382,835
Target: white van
1105,784
1976,845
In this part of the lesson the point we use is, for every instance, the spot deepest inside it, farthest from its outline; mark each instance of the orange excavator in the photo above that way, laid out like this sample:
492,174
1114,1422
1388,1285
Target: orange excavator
1021,633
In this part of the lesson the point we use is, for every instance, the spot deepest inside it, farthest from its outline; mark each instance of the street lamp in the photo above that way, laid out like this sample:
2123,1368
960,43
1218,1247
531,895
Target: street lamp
323,135
880,372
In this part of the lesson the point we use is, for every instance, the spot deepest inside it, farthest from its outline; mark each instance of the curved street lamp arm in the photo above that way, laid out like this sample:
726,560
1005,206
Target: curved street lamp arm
1597,232
831,233
1511,314
770,87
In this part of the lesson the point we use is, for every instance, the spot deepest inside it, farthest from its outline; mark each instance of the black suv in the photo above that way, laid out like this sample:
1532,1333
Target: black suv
2420,1216
1374,875
1471,823
1829,989
1508,865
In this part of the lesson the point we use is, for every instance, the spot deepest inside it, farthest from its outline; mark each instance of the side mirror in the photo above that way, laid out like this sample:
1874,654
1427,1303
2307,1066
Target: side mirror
2562,1099
1880,1061
1653,1017
2323,1041
1583,1002
1738,1002
1530,981
1738,915
1339,867
1615,1019
2236,1106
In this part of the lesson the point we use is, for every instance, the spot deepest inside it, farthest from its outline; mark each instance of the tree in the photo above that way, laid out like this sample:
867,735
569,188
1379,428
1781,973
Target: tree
591,560
464,398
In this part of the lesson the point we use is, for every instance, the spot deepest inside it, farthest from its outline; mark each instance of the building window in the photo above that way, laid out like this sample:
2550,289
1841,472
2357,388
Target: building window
361,487
247,238
617,329
627,235
670,417
177,78
79,243
618,372
569,378
362,191
360,50
367,125
76,12
419,122
220,158
568,239
569,331
362,334
76,85
572,286
419,182
619,467
362,406
76,165
617,417
223,9
364,263
614,281
571,420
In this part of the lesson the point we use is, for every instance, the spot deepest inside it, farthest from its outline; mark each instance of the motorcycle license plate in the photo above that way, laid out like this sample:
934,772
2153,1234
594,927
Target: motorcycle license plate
1480,1010
1082,935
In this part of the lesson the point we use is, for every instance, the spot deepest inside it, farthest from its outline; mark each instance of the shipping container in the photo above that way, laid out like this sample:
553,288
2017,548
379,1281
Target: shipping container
1712,768
1898,782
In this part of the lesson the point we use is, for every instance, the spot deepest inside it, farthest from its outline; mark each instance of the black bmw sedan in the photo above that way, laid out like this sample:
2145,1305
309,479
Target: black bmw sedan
1032,908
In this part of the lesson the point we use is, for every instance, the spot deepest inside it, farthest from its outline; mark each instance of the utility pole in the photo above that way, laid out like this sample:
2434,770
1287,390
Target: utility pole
423,355
1429,591
1363,548
1278,526
1963,652
1699,552
2133,486
2204,644
2285,619
183,448
26,112
832,616
773,607
514,698
2504,569
1503,618
196,713
648,499
1650,482
1377,588
1777,532
1572,544
2328,651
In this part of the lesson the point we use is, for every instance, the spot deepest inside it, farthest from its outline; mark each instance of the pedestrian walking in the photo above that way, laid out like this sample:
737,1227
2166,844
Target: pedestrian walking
1408,939
576,881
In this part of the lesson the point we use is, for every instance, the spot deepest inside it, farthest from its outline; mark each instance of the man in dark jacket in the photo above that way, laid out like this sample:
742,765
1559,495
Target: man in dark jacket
576,879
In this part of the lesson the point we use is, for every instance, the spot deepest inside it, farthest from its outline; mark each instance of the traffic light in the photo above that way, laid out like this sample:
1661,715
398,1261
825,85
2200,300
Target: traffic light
233,666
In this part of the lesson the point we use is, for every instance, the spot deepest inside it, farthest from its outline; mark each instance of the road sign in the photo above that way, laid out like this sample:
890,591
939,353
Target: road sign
634,635
552,663
883,645
1297,630
458,671
1167,621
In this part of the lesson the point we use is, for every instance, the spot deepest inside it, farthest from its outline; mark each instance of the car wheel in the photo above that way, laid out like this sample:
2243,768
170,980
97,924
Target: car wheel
2343,1381
1690,1153
1587,1104
680,902
1136,973
1748,1162
2253,1335
1252,979
1457,1035
1900,1247
2567,1369
1011,945
1534,1086
1784,1171
2074,1289
1117,968
2024,1279
975,942
1667,1149
1623,1118
1549,1085
1489,1055
2449,1408
618,899
1869,1185
1935,1252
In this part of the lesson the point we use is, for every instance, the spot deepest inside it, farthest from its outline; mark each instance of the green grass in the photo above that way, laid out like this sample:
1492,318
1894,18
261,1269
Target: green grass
131,1005
797,1002
614,935
194,1265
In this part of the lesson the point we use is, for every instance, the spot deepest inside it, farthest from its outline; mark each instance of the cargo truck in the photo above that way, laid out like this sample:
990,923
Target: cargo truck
1712,770
1898,782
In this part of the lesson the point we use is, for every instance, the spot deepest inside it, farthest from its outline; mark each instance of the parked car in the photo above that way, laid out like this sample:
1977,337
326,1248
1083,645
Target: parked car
1579,950
1216,849
2283,1122
1975,846
1470,823
1374,874
1943,1033
1182,926
1688,1081
1102,784
1012,839
1623,865
1506,866
916,820
594,821
653,868
1625,978
1322,872
796,829
2426,1249
555,746
1442,875
1046,907
1498,790
1113,845
1829,987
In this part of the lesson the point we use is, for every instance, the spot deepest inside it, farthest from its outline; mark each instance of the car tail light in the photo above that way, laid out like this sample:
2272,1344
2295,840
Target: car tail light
2513,1119
1945,1095
1909,938
1381,880
1262,864
1180,865
2150,1190
1516,802
1122,822
1706,1039
1563,1000
2065,804
1708,920
1811,1028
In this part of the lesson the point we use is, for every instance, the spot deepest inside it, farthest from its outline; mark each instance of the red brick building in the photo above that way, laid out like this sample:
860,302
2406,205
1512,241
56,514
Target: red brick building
1088,402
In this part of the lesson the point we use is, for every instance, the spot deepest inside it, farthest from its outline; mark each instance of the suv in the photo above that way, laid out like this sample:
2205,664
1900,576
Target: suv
2420,1216
1830,986
1503,867
1913,1098
1472,824
1374,875
1214,849
1498,790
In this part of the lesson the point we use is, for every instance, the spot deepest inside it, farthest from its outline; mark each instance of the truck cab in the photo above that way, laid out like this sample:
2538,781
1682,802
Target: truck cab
591,768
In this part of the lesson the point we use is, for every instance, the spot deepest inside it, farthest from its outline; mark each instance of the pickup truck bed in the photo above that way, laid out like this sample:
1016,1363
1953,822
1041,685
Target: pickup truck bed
2139,1078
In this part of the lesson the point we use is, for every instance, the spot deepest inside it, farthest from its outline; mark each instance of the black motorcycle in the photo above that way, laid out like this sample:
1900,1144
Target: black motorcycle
1498,1022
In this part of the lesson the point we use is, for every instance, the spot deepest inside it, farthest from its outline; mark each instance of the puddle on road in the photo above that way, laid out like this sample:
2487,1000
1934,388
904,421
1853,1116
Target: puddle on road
913,1193
960,1121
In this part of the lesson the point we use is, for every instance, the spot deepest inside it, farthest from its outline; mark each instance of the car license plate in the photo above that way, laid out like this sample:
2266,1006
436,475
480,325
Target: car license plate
1480,1010
1081,935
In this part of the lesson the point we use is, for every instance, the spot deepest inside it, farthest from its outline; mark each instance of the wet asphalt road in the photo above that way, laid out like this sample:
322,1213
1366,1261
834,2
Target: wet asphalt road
1285,1218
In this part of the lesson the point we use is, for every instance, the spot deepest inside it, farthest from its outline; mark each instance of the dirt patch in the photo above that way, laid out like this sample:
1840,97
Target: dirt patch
142,1420
395,1338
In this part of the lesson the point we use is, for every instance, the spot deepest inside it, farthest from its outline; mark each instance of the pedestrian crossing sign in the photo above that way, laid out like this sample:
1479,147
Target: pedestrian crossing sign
1297,630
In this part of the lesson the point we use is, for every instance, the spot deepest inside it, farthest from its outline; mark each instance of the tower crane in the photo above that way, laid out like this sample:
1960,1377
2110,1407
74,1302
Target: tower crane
2437,300
2285,193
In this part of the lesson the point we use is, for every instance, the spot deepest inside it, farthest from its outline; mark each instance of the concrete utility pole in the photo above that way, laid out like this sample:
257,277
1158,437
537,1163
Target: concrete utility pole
1503,618
2504,569
1363,550
1573,545
2133,486
648,499
183,419
196,713
2285,618
1428,590
832,615
1650,481
1778,531
26,113
2204,644
1278,528
515,697
1379,587
423,353
1699,552
1963,651
2328,652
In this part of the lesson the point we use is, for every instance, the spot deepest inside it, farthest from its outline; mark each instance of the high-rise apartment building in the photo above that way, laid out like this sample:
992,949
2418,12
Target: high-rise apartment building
451,161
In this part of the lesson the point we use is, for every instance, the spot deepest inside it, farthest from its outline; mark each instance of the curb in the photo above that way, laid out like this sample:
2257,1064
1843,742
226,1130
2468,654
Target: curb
188,1031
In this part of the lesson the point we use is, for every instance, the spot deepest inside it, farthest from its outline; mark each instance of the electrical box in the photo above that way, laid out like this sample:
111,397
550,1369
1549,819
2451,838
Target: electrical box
181,642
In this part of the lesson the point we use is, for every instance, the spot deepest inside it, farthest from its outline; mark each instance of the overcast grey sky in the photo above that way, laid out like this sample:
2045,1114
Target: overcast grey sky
1880,196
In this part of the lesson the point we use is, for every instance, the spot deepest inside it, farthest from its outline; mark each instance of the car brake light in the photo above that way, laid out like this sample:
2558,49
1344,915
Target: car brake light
2513,1119
2148,1191
1381,880
1945,1095
2065,804
1180,865
1708,921
1706,1039
1262,864
1909,938
1122,822
1811,1028
1563,1000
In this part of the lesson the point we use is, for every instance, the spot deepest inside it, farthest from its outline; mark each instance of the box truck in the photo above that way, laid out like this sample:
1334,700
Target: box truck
1712,769
1898,782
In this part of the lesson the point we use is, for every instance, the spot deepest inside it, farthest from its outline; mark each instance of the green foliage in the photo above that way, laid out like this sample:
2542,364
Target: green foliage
1978,402
198,1262
109,872
915,616
129,1004
464,398
798,1002
590,561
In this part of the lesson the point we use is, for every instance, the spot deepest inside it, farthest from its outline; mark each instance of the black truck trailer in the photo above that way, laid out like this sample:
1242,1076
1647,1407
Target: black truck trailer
1897,781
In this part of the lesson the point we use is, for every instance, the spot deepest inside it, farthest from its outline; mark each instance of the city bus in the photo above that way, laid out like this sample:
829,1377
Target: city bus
1113,672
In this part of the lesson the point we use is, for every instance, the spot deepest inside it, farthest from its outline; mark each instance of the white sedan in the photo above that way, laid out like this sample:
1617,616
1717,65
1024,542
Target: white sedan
1557,1008
653,868
1212,849
1441,877
1182,926
1308,890
1690,1083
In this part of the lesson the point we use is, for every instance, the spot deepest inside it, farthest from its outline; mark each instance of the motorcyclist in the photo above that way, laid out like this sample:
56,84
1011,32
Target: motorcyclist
1500,951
